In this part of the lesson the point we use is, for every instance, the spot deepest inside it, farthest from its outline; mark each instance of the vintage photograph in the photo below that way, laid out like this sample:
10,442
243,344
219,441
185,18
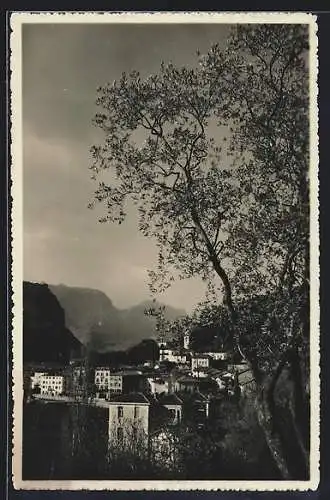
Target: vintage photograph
165,251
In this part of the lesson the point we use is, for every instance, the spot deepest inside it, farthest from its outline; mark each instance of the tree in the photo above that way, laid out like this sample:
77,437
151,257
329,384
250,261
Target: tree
269,110
146,350
233,210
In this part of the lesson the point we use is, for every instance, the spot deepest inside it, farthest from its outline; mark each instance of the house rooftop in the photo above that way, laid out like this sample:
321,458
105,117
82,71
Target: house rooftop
199,397
159,379
214,351
195,397
134,397
151,398
51,373
128,373
169,399
188,380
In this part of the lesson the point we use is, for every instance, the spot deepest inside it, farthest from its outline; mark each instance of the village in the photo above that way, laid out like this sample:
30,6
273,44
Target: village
141,401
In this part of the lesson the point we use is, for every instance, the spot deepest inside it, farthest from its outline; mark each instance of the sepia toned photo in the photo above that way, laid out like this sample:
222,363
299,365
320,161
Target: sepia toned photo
165,251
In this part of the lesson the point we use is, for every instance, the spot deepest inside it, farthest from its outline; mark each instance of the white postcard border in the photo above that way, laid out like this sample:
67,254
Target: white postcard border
17,19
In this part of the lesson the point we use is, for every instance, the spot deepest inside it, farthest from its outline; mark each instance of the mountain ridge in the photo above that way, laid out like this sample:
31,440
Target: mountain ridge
94,320
45,336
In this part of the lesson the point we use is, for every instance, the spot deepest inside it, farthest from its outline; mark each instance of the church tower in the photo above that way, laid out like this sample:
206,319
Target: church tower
186,340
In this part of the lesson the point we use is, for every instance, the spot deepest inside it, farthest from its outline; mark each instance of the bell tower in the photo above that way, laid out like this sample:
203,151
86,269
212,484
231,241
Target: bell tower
186,339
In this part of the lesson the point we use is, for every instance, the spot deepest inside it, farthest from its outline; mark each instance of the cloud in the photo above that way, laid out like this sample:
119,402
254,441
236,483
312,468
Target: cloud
41,154
62,67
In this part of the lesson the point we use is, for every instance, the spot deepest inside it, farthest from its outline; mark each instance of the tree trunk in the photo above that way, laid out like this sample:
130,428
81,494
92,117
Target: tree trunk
265,397
299,408
268,420
272,437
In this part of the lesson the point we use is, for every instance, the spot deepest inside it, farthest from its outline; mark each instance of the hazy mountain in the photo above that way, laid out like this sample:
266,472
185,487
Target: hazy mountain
93,319
90,315
141,326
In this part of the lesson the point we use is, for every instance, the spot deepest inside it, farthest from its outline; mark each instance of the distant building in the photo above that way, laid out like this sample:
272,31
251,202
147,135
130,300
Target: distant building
174,405
199,361
115,383
186,340
124,381
49,383
180,357
129,420
201,405
242,376
108,383
245,381
173,355
196,407
166,353
102,378
217,356
186,384
158,385
36,379
200,373
238,367
220,377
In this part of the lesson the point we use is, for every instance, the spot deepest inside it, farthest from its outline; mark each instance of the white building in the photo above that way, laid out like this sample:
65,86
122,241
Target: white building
186,340
246,381
200,373
158,385
107,381
199,361
172,355
116,383
129,421
217,355
49,383
167,354
102,377
180,357
36,379
238,367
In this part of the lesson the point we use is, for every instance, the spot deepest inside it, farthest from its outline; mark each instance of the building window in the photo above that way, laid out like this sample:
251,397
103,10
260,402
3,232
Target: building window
172,413
120,434
136,412
120,411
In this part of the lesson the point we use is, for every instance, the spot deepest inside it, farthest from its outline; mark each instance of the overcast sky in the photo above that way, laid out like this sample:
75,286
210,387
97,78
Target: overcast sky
62,67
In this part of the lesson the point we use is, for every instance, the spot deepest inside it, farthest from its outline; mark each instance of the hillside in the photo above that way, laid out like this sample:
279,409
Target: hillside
93,319
90,315
135,320
45,335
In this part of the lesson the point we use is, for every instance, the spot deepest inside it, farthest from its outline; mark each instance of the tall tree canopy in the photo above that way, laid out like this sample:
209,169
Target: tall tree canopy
215,158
